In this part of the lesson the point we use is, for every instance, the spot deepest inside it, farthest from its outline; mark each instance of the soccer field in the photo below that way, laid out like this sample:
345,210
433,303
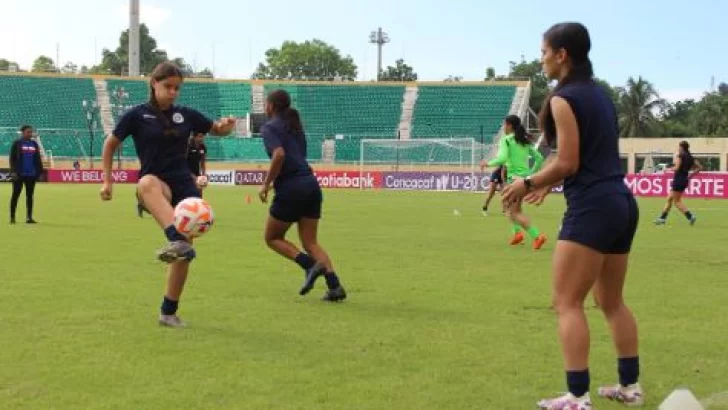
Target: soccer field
442,313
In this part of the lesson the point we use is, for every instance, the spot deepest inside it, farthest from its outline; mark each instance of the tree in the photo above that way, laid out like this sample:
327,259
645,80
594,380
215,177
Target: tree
637,107
723,89
310,60
453,79
83,70
6,64
43,64
490,73
69,68
539,83
117,62
400,72
709,117
205,73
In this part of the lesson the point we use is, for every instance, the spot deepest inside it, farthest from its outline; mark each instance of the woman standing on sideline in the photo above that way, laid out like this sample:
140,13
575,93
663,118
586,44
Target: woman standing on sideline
26,167
600,220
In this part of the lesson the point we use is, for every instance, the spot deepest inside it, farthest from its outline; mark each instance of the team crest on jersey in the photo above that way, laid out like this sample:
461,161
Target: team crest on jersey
178,118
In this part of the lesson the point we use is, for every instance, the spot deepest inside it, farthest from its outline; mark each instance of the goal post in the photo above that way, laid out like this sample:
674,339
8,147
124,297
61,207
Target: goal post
425,155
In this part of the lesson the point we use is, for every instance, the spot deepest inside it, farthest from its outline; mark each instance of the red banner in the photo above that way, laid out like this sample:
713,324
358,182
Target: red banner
91,176
702,185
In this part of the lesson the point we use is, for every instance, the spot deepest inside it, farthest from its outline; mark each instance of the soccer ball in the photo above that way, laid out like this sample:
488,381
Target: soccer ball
193,217
202,181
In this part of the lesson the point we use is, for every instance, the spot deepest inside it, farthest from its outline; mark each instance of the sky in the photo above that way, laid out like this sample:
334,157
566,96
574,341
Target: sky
677,45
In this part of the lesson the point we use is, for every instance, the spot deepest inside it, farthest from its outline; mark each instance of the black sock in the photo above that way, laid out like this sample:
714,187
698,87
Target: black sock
689,215
664,215
172,235
629,370
304,261
485,208
332,281
578,382
169,306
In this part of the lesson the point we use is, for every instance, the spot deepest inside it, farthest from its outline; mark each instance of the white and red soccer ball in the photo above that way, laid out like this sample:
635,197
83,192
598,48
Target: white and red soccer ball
193,217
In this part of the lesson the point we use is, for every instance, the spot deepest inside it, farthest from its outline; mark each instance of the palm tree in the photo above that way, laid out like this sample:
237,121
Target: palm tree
638,103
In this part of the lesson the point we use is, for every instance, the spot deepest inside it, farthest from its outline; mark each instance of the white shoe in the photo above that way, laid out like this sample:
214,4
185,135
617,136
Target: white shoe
566,402
630,396
171,321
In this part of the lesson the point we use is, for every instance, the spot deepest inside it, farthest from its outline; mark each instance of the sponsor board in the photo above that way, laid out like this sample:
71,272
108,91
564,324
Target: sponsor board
702,185
249,177
221,177
349,179
5,176
91,176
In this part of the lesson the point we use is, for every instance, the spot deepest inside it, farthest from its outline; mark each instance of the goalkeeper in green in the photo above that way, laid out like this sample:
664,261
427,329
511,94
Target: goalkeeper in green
515,151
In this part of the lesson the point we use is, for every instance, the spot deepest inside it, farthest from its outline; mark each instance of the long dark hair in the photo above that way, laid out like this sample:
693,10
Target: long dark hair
686,147
280,102
161,72
521,136
574,38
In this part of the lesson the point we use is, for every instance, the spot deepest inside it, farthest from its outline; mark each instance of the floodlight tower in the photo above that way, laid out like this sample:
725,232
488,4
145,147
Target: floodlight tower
379,38
133,38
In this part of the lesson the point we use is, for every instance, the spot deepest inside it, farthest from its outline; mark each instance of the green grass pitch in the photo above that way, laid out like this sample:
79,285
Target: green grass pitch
442,313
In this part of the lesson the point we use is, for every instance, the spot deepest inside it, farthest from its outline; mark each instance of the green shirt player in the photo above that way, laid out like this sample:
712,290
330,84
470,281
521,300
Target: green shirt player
515,151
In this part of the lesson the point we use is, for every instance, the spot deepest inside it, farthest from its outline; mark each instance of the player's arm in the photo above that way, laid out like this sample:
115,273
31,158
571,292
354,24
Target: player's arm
677,162
566,160
203,162
273,145
502,156
222,127
111,144
697,167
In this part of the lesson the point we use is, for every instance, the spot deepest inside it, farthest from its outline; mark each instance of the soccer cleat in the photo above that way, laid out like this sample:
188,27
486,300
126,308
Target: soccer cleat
12,221
140,209
539,241
517,238
335,295
30,221
171,321
175,251
630,396
659,221
311,275
566,402
693,220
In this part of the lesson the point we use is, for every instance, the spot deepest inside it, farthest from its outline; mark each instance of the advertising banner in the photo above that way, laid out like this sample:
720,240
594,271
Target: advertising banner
91,176
702,185
249,177
349,179
215,177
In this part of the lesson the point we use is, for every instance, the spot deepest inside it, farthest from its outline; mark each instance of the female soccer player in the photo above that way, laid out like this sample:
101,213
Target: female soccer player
600,220
297,198
497,180
26,166
161,133
686,166
515,151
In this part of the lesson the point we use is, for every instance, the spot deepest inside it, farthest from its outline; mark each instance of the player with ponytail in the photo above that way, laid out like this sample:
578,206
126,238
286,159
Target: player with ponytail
515,151
686,166
297,198
160,130
600,222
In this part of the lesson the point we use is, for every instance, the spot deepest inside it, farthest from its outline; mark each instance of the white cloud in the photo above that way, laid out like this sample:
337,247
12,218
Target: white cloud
679,94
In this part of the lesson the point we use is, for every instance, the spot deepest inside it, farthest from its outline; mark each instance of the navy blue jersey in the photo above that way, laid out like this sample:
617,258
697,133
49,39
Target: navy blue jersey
162,145
295,164
686,164
28,152
600,171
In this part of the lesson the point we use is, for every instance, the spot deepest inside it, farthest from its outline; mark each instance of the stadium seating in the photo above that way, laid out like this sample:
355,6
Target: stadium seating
45,102
366,110
460,111
354,110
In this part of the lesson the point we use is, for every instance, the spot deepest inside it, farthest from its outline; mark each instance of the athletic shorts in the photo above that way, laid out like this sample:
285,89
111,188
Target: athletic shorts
182,187
496,177
295,200
606,224
680,184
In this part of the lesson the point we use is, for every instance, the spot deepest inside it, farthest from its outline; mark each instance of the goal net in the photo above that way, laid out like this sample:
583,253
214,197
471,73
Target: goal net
447,154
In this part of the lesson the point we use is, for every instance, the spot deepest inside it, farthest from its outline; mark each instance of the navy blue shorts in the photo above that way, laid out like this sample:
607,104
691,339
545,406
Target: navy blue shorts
680,184
606,224
182,187
296,200
496,177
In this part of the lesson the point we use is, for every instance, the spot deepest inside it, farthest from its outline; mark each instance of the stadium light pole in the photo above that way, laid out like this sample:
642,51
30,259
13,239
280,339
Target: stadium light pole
91,109
379,38
133,38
